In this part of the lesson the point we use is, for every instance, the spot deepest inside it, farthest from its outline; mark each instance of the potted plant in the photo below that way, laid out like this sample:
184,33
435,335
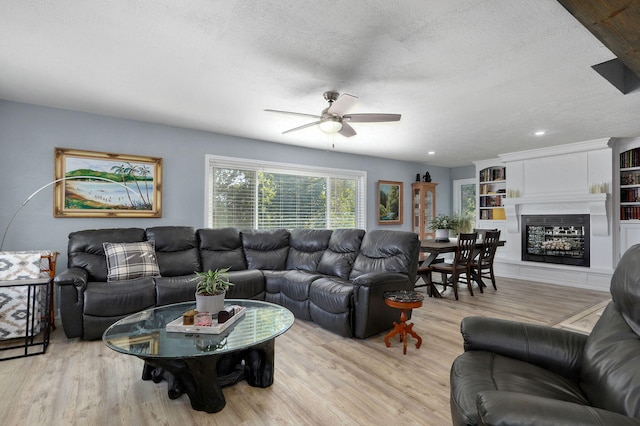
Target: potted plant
211,287
442,223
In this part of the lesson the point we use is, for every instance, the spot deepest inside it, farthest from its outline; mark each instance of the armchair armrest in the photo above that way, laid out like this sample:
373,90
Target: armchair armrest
552,348
373,279
513,408
73,276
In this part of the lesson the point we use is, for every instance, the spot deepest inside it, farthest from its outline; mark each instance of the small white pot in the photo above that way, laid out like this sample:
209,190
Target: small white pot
442,235
211,304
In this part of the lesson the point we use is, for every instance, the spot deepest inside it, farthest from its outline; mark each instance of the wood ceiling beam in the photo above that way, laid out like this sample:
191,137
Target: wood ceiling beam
616,23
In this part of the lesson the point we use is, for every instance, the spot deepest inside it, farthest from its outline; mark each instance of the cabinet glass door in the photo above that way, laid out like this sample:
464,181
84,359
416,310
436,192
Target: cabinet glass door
428,209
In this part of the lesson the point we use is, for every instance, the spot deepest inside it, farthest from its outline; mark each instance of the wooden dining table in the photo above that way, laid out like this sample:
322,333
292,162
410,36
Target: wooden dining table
433,249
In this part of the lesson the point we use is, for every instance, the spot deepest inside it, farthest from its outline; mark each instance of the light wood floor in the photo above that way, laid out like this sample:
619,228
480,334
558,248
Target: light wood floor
320,378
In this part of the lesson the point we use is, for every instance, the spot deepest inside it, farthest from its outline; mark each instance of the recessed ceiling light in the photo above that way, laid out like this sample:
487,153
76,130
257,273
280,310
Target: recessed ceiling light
431,153
540,133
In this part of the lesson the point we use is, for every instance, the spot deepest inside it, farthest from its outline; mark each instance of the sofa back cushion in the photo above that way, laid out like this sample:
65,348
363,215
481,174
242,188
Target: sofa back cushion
85,249
176,249
306,247
221,248
610,369
387,251
266,249
339,256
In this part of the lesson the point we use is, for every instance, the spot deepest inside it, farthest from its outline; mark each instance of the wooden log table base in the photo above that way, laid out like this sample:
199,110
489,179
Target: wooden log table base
403,301
203,377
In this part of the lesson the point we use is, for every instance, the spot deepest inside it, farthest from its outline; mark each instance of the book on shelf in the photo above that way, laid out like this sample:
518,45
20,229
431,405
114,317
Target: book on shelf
492,173
499,214
630,178
630,195
629,212
630,158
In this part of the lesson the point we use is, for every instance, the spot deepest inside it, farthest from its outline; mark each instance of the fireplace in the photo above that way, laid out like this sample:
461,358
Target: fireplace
561,239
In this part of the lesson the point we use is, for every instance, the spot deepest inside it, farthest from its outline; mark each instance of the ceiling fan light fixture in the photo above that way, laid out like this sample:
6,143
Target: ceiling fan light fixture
331,125
334,118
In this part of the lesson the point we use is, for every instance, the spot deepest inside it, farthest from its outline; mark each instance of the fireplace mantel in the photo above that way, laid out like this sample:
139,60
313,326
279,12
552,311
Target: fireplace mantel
593,204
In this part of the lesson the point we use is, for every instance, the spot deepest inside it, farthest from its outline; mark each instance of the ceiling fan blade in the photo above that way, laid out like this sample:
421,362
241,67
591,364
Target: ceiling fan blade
370,118
347,131
304,126
293,113
343,104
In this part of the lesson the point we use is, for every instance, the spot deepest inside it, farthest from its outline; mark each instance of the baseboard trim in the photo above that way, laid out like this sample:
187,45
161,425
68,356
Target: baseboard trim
572,276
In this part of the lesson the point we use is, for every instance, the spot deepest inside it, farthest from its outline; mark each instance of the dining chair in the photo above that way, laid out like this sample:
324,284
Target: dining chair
482,232
424,272
460,266
484,260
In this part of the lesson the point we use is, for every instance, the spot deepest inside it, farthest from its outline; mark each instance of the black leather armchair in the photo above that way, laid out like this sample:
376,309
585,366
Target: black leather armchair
514,373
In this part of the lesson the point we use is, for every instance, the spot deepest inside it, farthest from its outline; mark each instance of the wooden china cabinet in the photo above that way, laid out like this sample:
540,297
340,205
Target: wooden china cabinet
423,201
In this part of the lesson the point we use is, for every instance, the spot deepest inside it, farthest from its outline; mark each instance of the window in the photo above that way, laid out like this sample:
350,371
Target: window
250,194
464,202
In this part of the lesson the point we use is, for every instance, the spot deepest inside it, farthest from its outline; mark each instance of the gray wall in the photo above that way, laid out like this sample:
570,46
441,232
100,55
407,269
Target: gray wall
464,172
29,133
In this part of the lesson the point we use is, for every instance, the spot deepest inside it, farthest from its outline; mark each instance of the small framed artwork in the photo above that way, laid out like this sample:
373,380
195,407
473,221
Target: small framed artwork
101,184
389,202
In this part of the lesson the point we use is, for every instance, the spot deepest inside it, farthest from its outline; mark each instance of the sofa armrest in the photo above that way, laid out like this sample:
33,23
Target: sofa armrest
73,276
373,279
513,408
372,315
555,349
72,284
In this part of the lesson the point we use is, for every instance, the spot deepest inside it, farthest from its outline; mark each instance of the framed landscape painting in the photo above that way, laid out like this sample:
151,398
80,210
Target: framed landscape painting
389,202
100,184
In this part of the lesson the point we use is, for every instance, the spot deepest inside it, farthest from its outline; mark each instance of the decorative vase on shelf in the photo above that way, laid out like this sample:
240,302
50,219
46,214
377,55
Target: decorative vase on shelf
442,235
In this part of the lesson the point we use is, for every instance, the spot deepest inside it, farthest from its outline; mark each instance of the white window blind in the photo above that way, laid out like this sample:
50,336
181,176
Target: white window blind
248,194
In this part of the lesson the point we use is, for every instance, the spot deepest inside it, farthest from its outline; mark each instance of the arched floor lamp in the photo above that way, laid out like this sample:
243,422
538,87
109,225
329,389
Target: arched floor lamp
53,183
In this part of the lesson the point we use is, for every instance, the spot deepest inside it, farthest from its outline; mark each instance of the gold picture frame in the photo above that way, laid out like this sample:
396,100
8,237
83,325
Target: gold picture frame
102,184
390,202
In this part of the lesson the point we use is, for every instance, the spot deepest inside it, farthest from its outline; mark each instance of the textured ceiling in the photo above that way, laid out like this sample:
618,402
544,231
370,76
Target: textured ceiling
471,78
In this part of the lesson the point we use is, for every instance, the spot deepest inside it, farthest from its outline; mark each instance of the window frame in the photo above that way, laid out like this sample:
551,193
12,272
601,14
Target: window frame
211,161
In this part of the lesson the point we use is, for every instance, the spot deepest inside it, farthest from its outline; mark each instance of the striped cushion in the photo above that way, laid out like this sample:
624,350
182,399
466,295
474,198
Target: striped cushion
126,261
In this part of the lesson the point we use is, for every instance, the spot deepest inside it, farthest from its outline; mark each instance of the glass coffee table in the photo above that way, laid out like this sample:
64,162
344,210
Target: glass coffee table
201,364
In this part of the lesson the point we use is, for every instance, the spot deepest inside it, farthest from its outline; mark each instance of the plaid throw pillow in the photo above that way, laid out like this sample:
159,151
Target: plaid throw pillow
126,261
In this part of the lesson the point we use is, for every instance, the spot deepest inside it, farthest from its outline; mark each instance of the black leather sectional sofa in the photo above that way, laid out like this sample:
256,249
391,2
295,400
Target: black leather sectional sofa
335,278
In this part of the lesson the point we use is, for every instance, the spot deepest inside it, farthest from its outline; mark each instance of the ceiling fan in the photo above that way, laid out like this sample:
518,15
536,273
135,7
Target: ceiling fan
334,119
